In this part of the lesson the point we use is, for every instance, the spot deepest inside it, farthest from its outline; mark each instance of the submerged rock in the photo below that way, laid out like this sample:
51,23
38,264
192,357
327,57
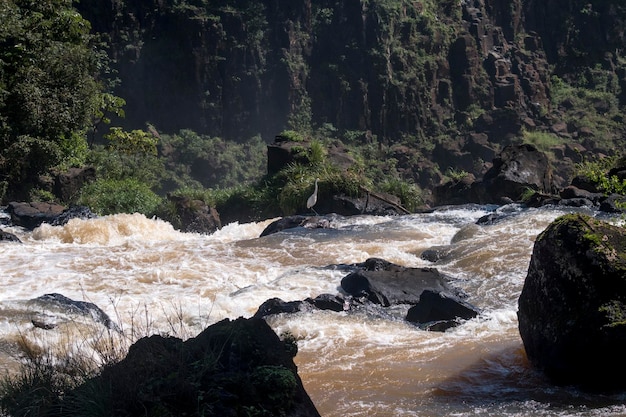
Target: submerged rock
572,308
232,368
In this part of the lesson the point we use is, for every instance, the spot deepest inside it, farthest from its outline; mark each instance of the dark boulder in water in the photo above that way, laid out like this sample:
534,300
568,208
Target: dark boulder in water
321,302
232,368
291,222
438,310
74,212
572,309
385,283
8,237
59,304
32,215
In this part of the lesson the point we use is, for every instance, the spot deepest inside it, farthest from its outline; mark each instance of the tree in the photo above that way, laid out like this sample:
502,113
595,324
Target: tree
49,88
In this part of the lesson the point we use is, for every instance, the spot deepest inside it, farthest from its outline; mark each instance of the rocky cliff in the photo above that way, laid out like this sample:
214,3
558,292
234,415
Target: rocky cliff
465,77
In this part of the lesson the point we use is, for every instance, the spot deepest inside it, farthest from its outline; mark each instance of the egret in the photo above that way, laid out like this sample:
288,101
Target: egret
312,200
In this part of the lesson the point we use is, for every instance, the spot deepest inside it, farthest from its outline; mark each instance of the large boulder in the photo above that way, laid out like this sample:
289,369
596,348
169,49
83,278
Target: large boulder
32,215
232,368
67,185
385,283
572,308
518,169
52,309
193,216
440,311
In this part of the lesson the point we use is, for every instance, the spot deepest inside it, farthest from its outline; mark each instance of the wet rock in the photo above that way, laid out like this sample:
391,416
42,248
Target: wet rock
329,302
436,253
290,222
57,303
614,203
321,302
572,308
231,366
440,311
384,283
8,237
278,306
572,191
284,223
74,212
32,215
193,216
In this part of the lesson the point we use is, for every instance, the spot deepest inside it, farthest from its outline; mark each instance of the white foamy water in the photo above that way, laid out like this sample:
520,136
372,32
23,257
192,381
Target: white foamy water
144,273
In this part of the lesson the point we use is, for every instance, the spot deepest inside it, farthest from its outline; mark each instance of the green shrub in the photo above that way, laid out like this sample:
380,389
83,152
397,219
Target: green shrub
597,172
119,196
410,195
542,140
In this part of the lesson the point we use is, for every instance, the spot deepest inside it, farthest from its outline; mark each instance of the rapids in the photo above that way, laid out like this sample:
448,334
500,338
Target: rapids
150,278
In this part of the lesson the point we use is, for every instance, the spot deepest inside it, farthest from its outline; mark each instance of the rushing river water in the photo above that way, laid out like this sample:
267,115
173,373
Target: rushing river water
146,275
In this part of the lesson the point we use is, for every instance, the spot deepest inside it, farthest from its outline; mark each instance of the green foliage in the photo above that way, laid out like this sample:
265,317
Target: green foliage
74,150
456,174
291,135
136,142
588,103
317,153
48,87
276,383
597,172
542,140
34,391
119,196
202,161
114,165
37,194
411,196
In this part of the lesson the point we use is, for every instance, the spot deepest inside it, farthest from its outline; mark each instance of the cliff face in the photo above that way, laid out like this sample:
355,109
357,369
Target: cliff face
396,68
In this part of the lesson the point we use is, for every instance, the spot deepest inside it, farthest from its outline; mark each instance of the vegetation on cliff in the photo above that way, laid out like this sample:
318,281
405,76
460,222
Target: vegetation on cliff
416,91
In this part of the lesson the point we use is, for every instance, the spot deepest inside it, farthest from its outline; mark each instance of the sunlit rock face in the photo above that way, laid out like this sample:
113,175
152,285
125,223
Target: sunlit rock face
572,307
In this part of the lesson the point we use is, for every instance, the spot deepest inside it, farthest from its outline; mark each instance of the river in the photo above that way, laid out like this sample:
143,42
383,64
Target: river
150,278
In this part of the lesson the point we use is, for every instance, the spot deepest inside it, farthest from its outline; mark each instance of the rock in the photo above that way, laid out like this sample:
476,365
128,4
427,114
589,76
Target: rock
59,303
230,367
194,216
290,222
321,302
74,212
329,302
572,306
32,215
436,253
572,191
440,309
516,170
278,306
8,237
456,191
614,203
384,283
67,185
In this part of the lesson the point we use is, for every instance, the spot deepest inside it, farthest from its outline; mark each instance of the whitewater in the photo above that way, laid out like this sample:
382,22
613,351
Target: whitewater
147,276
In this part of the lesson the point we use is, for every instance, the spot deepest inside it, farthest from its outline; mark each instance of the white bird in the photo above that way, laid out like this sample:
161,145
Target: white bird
312,200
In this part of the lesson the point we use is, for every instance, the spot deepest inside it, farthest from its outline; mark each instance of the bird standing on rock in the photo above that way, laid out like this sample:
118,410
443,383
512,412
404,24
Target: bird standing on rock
312,200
